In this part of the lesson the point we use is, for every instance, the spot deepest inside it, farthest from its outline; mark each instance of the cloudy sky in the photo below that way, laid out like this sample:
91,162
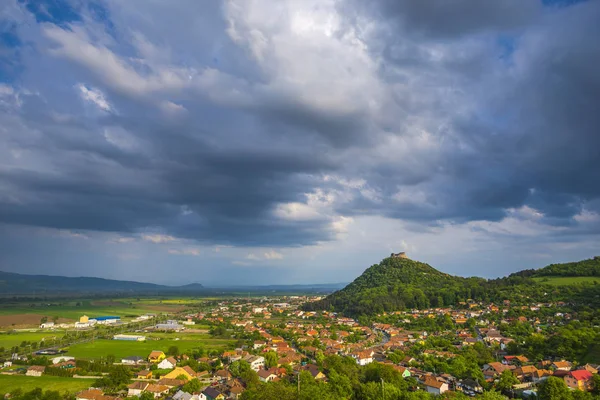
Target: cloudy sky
296,141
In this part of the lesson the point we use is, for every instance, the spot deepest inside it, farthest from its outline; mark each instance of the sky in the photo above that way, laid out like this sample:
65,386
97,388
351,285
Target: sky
296,141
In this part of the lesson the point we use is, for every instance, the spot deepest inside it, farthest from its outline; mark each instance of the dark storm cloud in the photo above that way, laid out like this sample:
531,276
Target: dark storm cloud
213,136
449,19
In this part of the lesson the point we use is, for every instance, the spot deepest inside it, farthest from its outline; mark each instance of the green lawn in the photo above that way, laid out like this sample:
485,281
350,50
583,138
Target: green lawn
15,339
121,349
9,383
567,280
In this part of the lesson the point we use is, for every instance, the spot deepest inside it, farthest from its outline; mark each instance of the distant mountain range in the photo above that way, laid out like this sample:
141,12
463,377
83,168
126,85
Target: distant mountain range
11,283
39,285
398,283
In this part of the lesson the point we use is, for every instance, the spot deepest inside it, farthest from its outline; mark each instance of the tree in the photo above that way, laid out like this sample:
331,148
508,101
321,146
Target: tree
271,359
579,395
146,396
44,320
55,319
493,395
192,386
596,384
173,351
553,389
507,381
319,357
119,375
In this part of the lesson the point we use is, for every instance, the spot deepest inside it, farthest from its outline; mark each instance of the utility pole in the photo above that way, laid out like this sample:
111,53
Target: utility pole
382,390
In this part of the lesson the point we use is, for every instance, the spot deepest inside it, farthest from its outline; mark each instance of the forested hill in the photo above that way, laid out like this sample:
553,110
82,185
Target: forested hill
401,283
590,267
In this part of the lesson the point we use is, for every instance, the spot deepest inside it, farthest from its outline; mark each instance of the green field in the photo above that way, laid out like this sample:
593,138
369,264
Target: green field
15,339
9,383
121,349
72,311
566,280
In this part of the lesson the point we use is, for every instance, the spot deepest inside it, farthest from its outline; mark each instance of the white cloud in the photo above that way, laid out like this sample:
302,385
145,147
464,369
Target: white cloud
95,96
189,251
296,212
273,255
123,240
156,238
267,255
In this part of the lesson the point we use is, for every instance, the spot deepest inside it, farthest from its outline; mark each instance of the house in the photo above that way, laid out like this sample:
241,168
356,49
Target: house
363,357
470,385
157,390
181,395
35,370
495,368
223,375
589,368
562,365
144,374
131,338
167,363
434,386
579,380
256,362
136,388
47,325
541,375
171,383
132,360
525,373
314,371
179,371
57,360
93,394
235,392
211,393
7,364
156,356
403,371
265,375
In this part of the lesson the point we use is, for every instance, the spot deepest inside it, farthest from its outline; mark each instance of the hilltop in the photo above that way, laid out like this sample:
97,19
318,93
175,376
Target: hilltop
583,268
399,283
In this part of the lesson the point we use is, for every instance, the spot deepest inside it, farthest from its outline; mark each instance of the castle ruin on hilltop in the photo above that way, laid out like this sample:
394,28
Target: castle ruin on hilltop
402,254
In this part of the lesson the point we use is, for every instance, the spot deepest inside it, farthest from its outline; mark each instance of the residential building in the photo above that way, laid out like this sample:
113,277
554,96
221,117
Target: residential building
136,388
35,370
132,360
167,363
579,380
156,356
435,386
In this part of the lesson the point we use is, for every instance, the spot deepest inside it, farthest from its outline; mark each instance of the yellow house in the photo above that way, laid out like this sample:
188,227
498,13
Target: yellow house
84,319
156,356
185,371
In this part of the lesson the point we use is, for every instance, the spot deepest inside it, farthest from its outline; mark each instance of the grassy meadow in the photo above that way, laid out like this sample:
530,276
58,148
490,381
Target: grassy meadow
9,383
120,349
15,339
566,280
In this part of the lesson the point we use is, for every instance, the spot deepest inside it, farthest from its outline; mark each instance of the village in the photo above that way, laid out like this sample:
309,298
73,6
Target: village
278,342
